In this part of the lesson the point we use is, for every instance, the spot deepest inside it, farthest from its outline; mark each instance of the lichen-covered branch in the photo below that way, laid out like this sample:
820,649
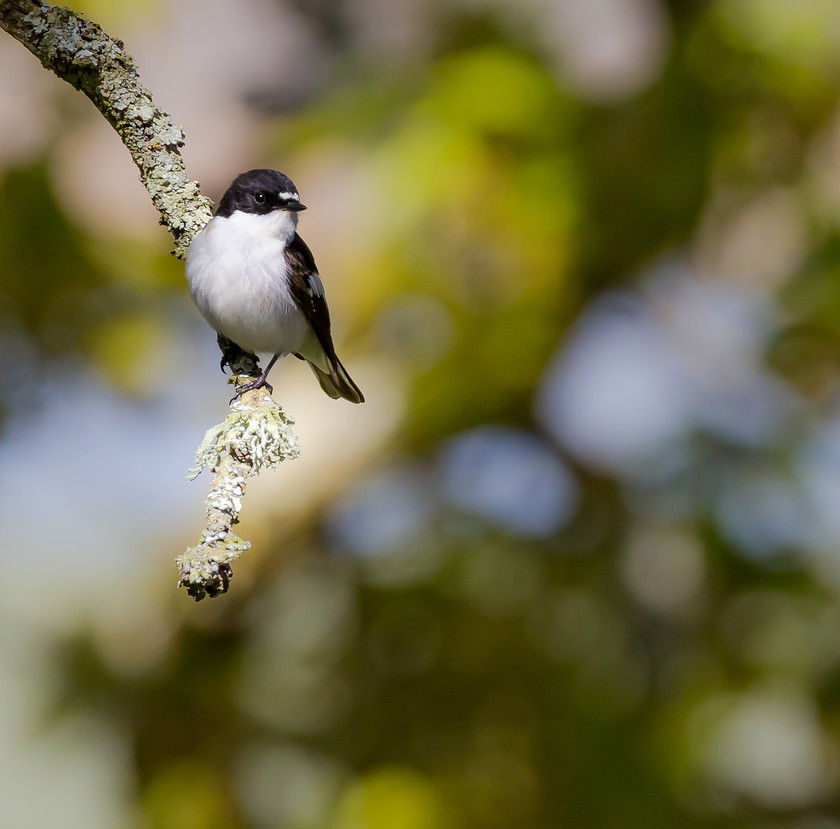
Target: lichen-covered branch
89,59
256,434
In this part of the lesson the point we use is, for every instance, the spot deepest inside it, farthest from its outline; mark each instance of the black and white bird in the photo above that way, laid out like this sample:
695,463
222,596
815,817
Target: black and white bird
255,281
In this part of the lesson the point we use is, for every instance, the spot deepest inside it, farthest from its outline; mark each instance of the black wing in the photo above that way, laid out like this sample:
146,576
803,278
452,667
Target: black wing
307,290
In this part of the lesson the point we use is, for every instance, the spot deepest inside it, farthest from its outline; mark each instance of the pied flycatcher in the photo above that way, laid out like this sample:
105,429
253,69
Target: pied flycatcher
255,281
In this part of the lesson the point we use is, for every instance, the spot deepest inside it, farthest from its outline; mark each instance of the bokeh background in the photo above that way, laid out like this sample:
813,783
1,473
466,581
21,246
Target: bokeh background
575,563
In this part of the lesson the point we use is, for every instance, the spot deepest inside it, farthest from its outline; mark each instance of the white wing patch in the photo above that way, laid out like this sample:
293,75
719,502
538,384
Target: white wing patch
314,285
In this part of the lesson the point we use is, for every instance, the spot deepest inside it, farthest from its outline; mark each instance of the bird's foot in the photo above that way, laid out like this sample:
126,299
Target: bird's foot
230,354
252,385
239,360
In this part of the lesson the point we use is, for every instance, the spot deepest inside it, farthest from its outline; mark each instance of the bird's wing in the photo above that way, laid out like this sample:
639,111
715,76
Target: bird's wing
307,290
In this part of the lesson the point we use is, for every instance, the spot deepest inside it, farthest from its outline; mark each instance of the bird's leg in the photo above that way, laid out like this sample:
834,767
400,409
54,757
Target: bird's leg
259,383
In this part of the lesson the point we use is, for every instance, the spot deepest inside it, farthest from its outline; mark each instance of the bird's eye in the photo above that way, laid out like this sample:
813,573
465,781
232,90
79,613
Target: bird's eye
259,198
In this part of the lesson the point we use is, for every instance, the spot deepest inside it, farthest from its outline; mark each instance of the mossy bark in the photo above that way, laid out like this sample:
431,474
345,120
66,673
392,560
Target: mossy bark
92,61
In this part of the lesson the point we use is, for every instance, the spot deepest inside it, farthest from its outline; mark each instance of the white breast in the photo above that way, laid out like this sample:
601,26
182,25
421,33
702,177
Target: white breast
236,269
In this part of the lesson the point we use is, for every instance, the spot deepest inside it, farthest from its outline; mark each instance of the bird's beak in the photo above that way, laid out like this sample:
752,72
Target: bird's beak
294,206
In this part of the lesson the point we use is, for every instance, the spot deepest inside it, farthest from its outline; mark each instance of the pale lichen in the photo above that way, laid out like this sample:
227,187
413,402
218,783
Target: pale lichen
262,433
256,435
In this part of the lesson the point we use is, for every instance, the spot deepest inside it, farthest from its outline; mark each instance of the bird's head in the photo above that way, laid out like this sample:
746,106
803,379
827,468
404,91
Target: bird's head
261,192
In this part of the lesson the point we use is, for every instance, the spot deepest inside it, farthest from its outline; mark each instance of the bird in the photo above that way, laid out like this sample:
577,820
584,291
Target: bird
255,281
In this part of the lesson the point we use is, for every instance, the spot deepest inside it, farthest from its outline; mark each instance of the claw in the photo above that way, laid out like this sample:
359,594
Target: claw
227,355
253,385
231,353
260,383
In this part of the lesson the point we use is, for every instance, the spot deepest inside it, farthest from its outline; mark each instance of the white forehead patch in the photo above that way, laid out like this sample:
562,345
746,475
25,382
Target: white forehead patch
294,196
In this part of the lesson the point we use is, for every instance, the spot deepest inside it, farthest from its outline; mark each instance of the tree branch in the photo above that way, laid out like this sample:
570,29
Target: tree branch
257,433
89,59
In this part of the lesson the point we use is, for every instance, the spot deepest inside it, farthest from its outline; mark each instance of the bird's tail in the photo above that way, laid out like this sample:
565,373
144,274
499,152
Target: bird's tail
337,382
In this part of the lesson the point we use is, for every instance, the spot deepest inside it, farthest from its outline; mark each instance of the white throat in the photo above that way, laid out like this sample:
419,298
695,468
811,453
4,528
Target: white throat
279,224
